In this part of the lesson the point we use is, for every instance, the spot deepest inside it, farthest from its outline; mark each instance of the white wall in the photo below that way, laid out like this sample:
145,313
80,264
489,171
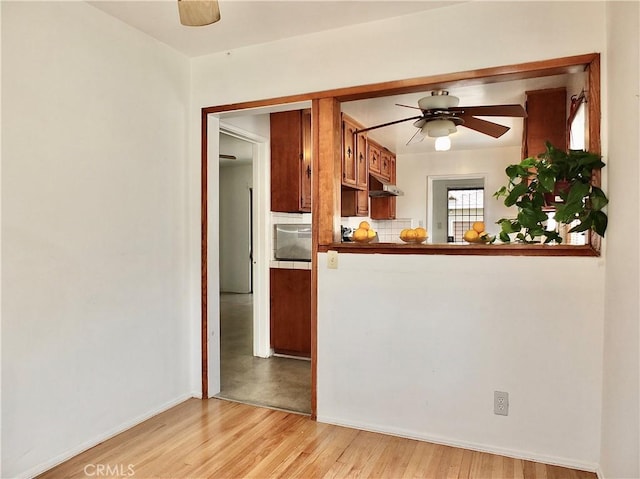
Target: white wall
621,400
95,329
413,170
383,319
423,358
235,233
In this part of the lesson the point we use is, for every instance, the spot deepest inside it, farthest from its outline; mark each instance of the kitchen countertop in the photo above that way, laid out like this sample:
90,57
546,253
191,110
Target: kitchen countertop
278,264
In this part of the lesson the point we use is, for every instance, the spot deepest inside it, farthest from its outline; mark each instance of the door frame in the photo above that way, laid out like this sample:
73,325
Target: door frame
210,265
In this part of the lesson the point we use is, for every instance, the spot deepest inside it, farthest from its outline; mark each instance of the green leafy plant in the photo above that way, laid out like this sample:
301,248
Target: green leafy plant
533,181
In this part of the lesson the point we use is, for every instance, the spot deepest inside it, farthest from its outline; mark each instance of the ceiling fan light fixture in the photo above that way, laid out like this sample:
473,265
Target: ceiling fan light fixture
439,99
198,13
438,128
443,143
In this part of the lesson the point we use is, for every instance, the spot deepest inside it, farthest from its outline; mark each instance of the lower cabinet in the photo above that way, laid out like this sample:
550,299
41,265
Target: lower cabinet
291,311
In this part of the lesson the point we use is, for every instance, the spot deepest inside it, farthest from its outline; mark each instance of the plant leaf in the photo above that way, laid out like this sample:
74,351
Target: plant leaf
517,191
598,199
577,192
599,222
547,178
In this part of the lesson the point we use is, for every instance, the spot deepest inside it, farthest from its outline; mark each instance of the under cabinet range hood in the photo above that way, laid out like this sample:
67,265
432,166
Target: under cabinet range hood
378,189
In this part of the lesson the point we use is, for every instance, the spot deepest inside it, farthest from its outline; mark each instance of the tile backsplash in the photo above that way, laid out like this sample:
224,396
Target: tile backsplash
388,230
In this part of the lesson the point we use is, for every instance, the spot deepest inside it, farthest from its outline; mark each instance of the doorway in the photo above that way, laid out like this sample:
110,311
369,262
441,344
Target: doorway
454,202
247,370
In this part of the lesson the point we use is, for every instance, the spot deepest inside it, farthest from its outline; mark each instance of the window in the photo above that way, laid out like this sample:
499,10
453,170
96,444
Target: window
464,207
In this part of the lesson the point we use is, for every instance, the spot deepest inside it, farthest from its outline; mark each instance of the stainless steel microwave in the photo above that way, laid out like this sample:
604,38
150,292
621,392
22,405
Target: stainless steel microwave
293,242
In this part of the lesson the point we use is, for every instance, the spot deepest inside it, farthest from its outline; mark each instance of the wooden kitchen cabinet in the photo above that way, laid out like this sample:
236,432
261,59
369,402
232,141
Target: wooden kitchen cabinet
385,165
385,208
355,173
291,161
355,170
546,121
291,311
349,168
373,157
354,202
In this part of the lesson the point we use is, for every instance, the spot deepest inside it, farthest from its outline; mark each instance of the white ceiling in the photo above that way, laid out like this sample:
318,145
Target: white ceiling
252,22
246,23
376,111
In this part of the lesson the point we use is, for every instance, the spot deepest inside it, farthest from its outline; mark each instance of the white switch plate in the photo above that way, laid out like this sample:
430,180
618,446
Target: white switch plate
332,259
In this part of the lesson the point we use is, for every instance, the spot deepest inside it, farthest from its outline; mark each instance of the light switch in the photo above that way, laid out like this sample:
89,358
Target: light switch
332,259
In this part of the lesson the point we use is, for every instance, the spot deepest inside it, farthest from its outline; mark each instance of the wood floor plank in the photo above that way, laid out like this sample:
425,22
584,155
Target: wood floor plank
216,439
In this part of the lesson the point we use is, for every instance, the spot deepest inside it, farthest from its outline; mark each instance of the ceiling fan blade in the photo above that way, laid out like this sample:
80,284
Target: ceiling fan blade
197,13
492,110
407,106
386,124
483,126
418,140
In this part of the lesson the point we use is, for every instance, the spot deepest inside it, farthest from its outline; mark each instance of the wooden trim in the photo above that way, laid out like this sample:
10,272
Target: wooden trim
315,199
594,143
326,158
555,66
462,249
204,343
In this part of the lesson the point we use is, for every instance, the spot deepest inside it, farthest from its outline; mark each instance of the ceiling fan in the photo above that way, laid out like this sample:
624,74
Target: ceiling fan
197,13
441,115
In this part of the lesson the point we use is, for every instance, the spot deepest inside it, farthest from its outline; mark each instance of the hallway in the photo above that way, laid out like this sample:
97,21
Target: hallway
282,383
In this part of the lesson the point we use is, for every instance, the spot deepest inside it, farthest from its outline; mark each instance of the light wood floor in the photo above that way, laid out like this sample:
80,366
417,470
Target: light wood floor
221,439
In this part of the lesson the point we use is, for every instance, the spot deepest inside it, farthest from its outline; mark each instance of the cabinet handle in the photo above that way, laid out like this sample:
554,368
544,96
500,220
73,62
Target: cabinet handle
309,171
349,151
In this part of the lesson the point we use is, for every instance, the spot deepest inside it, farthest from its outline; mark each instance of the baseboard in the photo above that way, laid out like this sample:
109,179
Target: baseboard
39,469
516,454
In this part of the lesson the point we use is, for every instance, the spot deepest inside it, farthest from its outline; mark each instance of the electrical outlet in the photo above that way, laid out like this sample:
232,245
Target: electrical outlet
332,259
500,403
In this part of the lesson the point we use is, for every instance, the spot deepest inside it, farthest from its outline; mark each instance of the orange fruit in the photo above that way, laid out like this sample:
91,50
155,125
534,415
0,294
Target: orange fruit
360,234
403,233
371,234
471,236
421,233
478,226
364,225
410,235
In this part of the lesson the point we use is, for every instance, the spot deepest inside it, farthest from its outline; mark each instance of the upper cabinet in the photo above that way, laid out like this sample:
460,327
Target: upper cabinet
385,208
386,164
373,157
291,161
546,120
355,173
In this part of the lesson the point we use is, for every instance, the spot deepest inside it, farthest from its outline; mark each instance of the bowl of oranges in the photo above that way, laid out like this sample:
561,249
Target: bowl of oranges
477,234
364,233
414,235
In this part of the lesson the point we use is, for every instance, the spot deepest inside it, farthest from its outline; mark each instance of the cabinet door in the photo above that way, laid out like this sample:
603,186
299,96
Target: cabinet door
546,120
291,311
349,170
385,208
385,164
392,199
362,173
286,153
373,157
362,203
305,170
